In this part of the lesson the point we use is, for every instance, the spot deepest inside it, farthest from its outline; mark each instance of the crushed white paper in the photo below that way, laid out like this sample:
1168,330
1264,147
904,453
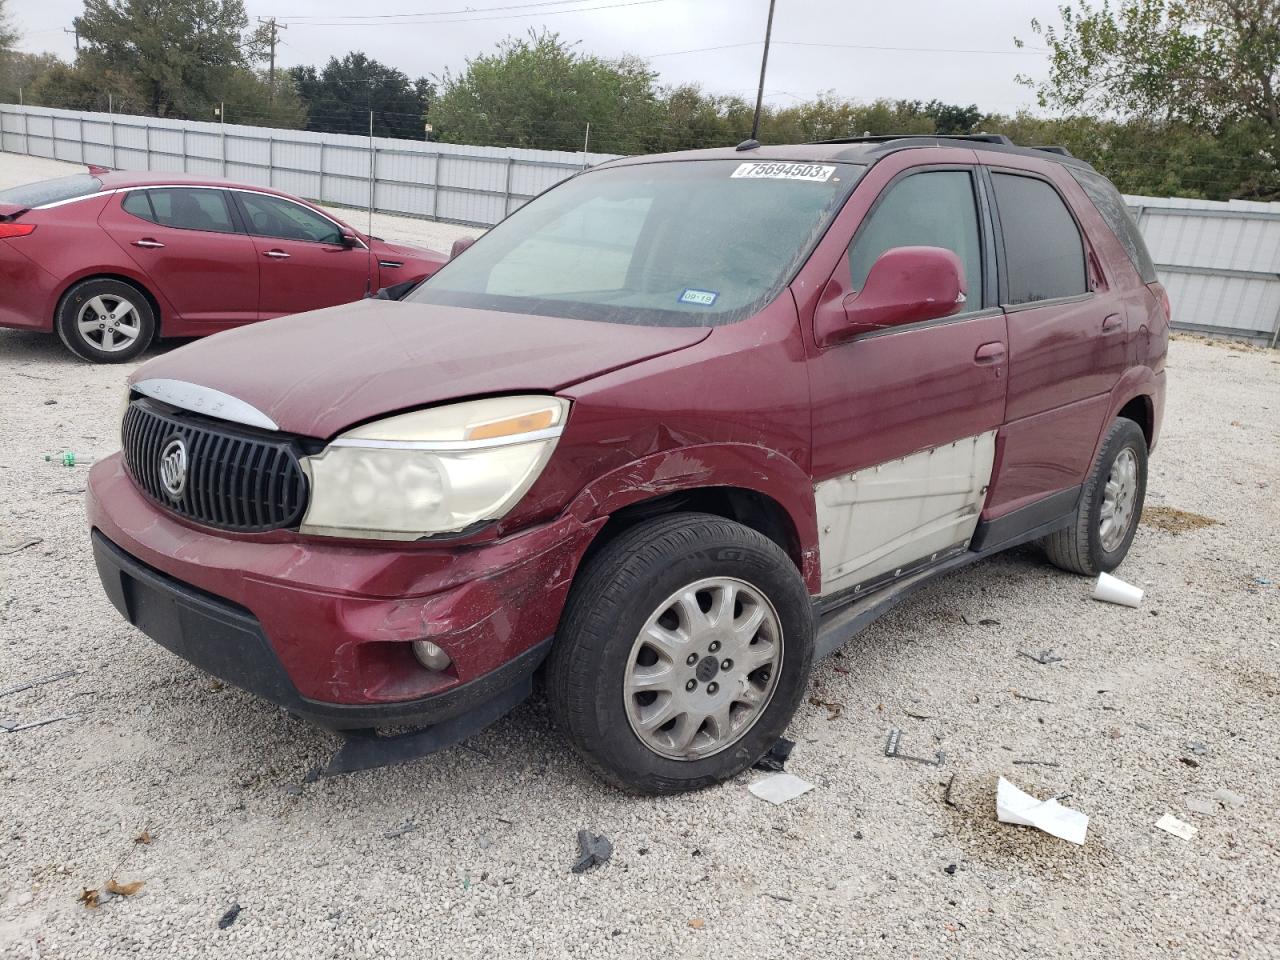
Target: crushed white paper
1014,806
780,787
1171,824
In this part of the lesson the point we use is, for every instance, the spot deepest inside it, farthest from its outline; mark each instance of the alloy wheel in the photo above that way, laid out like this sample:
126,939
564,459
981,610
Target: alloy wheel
108,322
703,668
1118,499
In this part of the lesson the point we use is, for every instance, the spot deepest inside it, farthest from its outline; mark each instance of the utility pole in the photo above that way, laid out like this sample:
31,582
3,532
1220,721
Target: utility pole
270,23
764,63
76,31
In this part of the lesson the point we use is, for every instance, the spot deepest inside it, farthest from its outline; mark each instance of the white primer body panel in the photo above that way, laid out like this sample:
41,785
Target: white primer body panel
885,517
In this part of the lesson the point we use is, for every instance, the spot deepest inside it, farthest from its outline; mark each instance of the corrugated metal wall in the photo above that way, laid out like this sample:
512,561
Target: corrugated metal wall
1219,261
439,181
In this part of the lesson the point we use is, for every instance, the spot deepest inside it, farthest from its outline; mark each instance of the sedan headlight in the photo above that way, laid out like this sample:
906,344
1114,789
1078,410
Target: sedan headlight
432,471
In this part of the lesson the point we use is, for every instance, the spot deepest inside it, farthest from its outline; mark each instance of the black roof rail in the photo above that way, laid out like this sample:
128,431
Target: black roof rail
1053,148
994,142
886,138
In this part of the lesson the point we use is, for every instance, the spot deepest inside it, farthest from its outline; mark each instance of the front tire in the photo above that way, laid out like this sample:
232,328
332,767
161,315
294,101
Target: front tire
1110,507
105,321
683,652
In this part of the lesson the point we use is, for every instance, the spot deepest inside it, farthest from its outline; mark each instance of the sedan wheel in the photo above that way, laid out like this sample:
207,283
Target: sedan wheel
105,321
109,322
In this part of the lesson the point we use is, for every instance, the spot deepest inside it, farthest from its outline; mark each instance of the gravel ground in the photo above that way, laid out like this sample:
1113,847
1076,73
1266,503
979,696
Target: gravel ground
485,833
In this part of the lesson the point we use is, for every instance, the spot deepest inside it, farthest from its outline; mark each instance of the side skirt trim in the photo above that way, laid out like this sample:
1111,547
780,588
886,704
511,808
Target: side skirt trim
837,626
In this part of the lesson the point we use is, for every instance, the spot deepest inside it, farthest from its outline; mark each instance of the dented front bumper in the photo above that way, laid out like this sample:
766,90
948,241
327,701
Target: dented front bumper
324,628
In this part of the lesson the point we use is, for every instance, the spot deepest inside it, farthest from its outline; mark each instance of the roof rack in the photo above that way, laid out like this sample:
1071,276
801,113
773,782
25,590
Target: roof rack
996,142
1051,148
886,138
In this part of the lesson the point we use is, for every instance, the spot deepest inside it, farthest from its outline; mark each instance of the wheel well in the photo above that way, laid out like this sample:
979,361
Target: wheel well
1139,411
151,300
761,513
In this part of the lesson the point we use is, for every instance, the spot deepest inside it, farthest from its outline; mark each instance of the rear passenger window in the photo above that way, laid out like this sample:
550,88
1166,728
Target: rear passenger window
1043,253
1116,212
185,209
934,209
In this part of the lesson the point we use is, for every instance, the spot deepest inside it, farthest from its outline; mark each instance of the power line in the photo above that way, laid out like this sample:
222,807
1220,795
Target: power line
1027,51
505,16
428,13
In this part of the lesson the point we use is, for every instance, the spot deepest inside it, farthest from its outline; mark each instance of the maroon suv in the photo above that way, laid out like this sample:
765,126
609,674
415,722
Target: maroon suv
676,428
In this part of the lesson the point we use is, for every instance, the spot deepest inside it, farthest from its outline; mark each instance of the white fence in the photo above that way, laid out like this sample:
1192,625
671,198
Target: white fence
1219,261
439,181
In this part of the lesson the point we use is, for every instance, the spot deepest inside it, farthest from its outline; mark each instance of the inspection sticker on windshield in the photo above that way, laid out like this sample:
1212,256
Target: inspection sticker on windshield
765,170
700,298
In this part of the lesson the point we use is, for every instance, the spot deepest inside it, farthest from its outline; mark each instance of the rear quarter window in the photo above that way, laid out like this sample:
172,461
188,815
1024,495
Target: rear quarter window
52,191
1115,212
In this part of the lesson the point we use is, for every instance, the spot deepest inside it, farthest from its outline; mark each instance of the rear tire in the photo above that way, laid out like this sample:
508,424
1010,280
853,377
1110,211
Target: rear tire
1115,491
735,643
105,321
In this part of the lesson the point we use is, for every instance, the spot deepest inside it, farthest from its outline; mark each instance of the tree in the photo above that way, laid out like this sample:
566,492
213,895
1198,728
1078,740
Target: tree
179,55
21,71
8,32
338,97
248,98
1198,66
538,91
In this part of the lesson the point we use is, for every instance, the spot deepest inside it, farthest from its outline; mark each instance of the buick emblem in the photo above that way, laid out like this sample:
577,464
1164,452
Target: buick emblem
173,468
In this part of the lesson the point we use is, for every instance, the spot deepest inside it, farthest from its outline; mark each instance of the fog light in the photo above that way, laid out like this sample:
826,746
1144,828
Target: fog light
430,656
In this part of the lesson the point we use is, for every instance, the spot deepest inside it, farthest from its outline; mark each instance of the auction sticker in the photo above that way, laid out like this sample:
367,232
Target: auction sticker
774,170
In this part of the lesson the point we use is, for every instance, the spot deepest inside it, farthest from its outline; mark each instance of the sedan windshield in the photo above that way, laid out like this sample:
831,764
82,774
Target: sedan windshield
682,243
51,191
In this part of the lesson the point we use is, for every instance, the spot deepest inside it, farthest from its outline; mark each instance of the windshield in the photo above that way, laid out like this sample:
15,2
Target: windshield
684,243
51,191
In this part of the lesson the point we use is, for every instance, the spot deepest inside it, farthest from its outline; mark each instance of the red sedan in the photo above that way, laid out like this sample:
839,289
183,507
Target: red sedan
111,260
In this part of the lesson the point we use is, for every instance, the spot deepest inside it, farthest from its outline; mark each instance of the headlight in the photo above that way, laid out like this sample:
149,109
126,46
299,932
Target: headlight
432,471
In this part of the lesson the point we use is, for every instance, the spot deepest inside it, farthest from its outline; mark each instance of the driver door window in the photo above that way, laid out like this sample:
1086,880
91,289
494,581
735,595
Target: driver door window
273,217
937,208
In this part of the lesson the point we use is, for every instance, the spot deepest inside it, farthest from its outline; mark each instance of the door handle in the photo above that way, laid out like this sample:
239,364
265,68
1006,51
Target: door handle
275,254
148,243
989,353
1112,322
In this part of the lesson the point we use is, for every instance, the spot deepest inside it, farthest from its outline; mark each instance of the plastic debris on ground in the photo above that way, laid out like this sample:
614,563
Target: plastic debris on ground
1171,824
1015,806
780,788
592,850
891,749
1044,657
13,726
776,759
229,917
1111,589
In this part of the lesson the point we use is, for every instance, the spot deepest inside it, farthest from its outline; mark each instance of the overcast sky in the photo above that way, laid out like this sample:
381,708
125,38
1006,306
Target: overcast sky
914,49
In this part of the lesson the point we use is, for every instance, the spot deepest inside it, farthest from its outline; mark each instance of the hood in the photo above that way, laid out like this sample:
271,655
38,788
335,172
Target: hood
317,373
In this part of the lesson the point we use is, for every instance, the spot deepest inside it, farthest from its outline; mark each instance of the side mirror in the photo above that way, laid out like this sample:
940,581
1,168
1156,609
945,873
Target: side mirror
349,240
905,285
459,245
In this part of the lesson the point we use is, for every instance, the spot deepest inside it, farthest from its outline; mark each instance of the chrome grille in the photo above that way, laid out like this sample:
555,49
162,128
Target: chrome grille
235,479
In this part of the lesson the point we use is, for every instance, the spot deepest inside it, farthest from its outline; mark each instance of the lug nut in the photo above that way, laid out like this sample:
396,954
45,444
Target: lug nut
714,646
712,687
726,665
692,685
692,659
